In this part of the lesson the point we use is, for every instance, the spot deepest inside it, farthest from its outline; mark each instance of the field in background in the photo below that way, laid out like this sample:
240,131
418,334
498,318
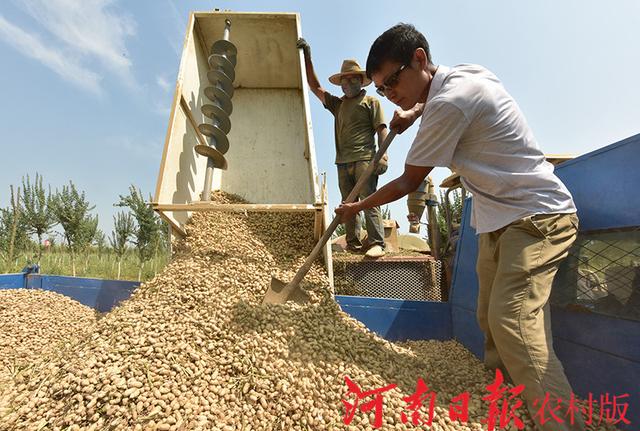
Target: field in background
94,263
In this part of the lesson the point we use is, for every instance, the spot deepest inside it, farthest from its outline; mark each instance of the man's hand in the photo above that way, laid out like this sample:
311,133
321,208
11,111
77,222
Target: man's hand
312,79
347,211
306,49
402,120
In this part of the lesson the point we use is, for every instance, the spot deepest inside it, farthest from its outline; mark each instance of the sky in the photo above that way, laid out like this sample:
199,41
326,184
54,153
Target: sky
88,84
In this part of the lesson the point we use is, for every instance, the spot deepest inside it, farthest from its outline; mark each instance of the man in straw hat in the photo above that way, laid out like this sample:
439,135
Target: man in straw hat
523,213
358,118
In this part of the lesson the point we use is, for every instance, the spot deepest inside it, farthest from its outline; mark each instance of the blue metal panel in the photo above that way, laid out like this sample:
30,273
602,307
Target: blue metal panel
33,281
11,281
464,288
604,185
397,319
85,291
466,330
113,293
99,294
600,373
600,354
618,337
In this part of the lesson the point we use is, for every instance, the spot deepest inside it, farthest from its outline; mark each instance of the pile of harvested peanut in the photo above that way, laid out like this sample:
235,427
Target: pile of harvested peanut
193,349
35,323
35,326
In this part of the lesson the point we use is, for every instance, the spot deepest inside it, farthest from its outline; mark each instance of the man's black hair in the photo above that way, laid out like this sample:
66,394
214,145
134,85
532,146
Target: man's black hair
397,45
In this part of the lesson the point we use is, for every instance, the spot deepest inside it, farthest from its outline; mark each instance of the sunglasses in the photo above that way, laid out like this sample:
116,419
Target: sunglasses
351,80
391,81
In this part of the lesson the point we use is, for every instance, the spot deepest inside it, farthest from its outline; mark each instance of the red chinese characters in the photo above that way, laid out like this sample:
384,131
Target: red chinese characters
376,403
501,412
460,412
504,401
548,410
415,401
612,410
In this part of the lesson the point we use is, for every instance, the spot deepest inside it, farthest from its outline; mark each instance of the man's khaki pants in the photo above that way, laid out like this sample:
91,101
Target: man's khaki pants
348,176
516,267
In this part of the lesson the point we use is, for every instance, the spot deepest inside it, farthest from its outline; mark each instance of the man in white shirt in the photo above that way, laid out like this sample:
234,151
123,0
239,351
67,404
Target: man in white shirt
524,214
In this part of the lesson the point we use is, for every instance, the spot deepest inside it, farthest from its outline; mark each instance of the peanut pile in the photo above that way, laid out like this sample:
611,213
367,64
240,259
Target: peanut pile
193,349
36,325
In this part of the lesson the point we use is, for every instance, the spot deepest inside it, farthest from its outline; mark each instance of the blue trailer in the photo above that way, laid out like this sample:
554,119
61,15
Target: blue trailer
595,306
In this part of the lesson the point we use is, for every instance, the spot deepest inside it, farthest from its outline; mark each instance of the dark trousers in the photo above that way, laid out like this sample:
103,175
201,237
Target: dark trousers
348,175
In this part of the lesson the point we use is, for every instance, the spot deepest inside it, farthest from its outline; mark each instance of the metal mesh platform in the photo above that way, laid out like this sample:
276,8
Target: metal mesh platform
399,277
602,274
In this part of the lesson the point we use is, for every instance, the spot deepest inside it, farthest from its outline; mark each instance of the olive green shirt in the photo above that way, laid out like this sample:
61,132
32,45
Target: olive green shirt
356,121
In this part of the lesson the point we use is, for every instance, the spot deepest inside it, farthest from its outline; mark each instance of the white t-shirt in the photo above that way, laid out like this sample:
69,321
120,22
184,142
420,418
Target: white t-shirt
473,126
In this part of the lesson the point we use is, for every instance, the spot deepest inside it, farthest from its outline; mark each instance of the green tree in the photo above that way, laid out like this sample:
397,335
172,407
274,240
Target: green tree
37,209
53,241
146,230
162,242
88,232
14,236
454,208
71,211
100,242
124,228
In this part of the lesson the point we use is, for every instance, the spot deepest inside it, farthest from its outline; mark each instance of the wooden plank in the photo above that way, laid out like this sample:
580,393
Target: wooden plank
328,252
192,120
206,206
182,175
185,176
269,134
200,37
174,105
266,148
174,226
266,42
310,149
318,225
271,156
556,159
415,257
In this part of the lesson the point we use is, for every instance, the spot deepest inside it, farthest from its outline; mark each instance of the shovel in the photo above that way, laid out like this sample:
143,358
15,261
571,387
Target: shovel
280,292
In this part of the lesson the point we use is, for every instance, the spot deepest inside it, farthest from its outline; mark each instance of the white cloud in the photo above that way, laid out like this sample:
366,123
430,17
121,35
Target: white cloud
143,148
90,28
64,64
163,83
78,33
162,106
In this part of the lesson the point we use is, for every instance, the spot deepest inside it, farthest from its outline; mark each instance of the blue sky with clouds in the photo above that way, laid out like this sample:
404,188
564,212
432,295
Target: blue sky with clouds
87,84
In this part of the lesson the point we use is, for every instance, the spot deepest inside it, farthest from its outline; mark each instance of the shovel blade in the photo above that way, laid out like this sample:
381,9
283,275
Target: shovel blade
280,292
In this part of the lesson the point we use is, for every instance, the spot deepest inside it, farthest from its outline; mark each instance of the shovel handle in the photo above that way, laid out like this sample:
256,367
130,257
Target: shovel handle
306,266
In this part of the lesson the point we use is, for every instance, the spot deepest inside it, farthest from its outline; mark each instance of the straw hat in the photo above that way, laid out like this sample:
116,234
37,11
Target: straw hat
350,67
